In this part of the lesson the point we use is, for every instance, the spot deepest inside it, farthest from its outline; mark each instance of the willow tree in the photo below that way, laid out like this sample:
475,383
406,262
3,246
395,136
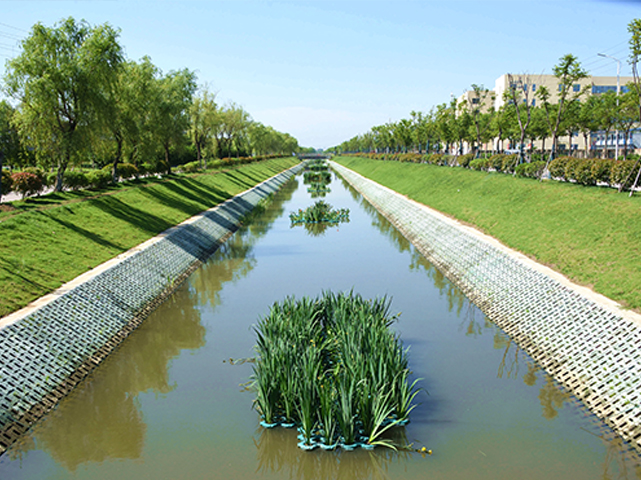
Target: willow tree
171,109
203,121
60,80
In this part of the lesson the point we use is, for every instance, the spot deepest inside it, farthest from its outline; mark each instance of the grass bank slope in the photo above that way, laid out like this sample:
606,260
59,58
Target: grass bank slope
592,235
46,242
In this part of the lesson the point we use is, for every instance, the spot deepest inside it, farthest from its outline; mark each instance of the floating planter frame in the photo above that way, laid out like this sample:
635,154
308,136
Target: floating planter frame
332,367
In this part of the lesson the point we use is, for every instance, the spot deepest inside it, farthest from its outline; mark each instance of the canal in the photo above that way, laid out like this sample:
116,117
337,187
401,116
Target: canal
171,401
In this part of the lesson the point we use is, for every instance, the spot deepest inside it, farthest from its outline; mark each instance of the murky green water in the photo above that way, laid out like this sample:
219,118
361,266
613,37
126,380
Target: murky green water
168,403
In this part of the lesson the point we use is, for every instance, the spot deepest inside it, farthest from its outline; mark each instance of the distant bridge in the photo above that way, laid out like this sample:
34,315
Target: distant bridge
313,156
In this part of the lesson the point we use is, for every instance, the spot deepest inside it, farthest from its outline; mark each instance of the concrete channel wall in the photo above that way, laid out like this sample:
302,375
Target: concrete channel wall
584,340
47,348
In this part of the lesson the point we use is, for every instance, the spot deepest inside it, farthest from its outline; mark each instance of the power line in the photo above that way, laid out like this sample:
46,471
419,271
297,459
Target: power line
11,26
10,36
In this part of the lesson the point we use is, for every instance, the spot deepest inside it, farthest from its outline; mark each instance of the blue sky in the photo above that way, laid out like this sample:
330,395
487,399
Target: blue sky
325,71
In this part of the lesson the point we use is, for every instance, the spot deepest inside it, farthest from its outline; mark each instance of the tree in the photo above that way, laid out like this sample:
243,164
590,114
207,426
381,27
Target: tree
627,116
634,28
568,71
518,94
9,140
203,118
60,79
231,134
174,92
588,120
480,114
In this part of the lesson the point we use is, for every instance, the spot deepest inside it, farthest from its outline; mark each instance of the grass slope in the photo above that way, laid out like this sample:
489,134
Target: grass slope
592,235
45,242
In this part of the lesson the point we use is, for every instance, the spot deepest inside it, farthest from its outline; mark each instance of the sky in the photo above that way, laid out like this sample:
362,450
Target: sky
325,71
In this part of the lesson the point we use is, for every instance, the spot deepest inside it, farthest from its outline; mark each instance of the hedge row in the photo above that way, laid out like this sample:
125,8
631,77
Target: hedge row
588,171
33,180
498,162
591,171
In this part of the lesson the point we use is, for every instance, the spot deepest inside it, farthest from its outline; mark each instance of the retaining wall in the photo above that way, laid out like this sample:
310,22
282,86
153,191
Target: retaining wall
584,340
48,348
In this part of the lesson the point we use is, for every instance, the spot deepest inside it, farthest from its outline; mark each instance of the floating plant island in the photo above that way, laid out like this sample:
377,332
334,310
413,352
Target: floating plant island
332,367
320,212
321,176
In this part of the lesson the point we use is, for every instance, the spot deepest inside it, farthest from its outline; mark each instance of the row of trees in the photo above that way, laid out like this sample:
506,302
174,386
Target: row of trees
524,117
78,101
451,126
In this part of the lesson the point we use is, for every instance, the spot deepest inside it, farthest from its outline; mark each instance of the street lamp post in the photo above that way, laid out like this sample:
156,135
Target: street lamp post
616,145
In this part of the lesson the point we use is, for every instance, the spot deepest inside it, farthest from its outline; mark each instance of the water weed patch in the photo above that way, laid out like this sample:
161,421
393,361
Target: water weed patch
332,367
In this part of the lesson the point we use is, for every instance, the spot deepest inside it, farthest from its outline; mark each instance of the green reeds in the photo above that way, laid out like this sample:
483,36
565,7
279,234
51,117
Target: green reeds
333,367
323,176
320,212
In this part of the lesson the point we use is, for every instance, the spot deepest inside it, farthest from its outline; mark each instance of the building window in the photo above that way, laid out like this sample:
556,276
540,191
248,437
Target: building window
576,87
534,102
525,87
598,89
475,101
534,87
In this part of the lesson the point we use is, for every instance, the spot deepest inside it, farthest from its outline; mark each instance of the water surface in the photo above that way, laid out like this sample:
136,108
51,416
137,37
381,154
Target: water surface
169,404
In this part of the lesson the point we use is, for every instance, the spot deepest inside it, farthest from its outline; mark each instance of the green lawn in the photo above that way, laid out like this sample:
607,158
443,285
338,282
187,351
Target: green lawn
590,234
45,242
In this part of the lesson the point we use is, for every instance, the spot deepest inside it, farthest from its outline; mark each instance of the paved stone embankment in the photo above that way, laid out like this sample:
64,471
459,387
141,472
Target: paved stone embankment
51,345
584,340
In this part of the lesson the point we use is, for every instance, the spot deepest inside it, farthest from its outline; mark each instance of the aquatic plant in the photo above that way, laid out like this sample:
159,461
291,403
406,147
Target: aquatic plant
324,177
333,367
320,212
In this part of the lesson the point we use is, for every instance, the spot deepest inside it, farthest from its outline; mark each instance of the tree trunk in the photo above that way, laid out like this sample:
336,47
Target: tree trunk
604,154
118,156
166,147
1,158
62,166
198,155
636,180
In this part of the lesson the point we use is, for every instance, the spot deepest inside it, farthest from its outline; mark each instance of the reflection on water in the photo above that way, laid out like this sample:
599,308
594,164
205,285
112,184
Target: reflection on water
101,419
277,452
480,419
621,459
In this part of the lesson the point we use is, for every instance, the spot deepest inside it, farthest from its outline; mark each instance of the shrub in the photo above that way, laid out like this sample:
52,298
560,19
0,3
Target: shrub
191,167
75,180
161,166
127,171
6,181
480,164
508,163
145,169
464,160
530,170
26,183
495,162
49,179
99,178
601,169
557,167
623,172
36,171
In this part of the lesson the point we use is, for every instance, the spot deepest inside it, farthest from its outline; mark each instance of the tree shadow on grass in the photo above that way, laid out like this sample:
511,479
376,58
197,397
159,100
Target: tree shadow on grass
94,237
138,218
213,194
202,197
13,268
